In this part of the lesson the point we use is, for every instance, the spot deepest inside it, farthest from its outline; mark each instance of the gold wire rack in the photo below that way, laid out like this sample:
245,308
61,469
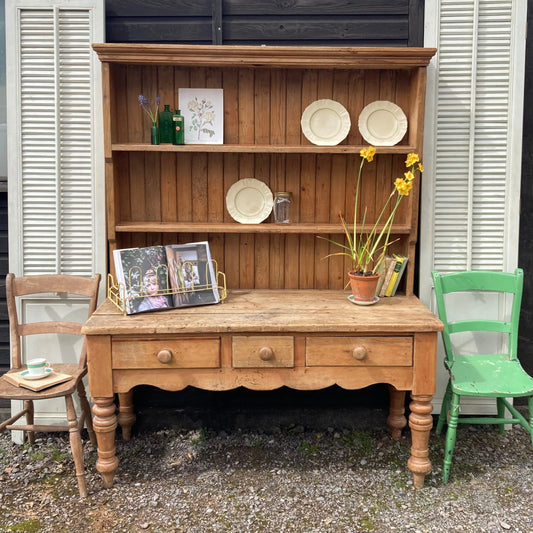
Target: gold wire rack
117,294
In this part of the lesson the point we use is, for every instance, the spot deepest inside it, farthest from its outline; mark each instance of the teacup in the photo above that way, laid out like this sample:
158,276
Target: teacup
38,366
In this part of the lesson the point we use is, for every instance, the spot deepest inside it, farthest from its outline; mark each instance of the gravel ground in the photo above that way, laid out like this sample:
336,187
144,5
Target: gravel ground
285,478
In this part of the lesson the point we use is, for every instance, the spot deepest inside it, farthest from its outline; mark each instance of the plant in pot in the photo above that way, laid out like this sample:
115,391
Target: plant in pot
367,244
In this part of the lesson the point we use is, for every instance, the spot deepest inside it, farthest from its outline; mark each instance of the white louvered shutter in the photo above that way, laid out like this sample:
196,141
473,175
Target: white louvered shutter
55,146
55,160
472,155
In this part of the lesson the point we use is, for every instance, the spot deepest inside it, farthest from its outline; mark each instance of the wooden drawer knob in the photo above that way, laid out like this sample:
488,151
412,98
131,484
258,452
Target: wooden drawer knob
360,353
164,356
266,353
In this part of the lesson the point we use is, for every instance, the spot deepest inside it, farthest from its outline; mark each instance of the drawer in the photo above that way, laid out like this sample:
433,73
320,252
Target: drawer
263,352
166,353
359,351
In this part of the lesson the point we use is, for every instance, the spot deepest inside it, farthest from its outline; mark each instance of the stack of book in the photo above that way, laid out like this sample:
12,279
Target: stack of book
392,269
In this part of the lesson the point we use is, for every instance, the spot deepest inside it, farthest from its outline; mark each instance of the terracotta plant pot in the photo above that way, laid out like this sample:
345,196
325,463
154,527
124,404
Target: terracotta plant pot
363,286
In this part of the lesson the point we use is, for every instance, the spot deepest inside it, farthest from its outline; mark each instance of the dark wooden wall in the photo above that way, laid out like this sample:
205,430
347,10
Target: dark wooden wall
279,22
525,251
4,321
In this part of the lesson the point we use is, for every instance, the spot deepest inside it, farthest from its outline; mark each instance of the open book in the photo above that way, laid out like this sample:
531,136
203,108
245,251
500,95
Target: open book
163,277
54,378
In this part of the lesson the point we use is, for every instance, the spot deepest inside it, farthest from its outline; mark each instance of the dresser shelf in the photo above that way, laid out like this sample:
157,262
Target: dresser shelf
164,194
233,227
257,148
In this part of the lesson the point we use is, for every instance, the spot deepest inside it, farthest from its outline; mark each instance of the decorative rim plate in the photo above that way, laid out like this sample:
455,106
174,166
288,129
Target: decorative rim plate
249,201
325,122
357,302
26,374
382,123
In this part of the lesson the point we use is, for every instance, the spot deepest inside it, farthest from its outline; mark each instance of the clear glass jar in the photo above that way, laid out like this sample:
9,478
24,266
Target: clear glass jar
282,207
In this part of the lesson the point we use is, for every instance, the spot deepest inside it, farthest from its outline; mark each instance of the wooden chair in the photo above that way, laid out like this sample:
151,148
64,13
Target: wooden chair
497,375
35,285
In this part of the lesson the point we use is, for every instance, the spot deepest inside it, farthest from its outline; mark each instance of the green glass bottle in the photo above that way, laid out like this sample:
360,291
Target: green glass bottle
166,128
178,123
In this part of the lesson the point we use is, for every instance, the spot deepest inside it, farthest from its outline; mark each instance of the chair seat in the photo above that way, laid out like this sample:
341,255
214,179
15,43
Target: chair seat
12,392
489,375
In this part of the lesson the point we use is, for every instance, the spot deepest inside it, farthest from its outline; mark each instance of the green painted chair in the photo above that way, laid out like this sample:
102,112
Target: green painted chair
489,375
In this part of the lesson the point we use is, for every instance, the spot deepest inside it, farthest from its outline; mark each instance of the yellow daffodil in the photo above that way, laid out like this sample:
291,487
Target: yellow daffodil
368,153
411,159
366,246
403,186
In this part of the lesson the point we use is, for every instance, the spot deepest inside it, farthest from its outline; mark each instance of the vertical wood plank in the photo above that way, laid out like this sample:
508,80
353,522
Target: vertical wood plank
293,106
263,108
184,187
337,206
246,169
291,241
307,190
322,214
167,161
231,250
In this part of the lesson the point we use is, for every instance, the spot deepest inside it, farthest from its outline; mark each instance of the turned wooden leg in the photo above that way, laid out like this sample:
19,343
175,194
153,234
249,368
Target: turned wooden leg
126,416
76,446
28,406
86,408
396,419
104,424
420,422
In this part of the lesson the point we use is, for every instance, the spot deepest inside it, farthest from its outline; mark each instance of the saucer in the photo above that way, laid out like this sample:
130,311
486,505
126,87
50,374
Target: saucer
356,302
26,374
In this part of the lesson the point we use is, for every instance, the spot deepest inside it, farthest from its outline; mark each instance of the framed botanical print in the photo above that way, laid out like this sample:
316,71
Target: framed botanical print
203,113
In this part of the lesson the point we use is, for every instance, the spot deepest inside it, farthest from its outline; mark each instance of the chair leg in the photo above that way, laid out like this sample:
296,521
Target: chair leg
530,407
76,446
450,437
444,408
86,408
28,406
501,414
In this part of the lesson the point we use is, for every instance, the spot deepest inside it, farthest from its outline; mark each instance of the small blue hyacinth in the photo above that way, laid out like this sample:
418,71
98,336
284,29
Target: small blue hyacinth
145,105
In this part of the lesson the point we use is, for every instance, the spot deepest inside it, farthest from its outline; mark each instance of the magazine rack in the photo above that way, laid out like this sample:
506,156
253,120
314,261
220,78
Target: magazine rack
116,291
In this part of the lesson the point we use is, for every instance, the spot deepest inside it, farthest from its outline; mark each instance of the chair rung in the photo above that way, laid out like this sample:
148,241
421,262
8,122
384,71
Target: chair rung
14,418
25,427
487,420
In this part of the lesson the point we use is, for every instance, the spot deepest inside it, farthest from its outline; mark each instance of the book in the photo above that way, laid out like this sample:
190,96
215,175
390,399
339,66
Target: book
390,263
143,273
38,384
163,277
394,276
403,260
381,271
191,274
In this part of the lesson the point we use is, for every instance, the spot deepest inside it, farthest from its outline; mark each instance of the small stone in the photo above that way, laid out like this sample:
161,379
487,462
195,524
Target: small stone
505,525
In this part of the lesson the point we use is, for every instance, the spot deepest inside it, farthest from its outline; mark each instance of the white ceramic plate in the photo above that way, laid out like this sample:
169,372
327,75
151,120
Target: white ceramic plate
325,122
249,201
26,374
382,123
